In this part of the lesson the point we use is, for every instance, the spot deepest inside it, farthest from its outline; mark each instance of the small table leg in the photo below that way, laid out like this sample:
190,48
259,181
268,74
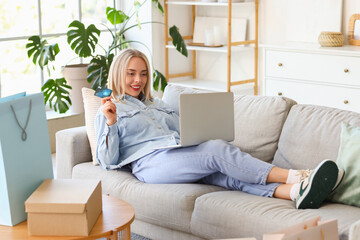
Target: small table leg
124,234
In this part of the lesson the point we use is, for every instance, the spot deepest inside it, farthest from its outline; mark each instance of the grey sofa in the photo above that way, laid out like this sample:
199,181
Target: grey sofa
274,129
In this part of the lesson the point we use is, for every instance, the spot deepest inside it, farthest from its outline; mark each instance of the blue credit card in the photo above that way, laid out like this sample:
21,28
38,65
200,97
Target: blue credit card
103,92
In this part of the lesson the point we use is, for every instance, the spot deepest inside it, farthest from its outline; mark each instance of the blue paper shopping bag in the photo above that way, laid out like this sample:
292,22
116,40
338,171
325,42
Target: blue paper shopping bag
25,155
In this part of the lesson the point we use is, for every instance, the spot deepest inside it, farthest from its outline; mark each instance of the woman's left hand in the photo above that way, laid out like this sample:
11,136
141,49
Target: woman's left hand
109,110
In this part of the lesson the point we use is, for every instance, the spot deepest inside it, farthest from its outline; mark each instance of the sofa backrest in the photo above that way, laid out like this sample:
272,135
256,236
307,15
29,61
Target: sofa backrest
258,123
311,134
258,120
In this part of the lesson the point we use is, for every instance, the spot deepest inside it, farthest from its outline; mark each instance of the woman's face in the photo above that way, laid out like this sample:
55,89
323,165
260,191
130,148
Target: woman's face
136,76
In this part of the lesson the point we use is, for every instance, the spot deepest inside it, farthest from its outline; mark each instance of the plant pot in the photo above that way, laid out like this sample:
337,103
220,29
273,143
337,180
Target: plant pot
75,76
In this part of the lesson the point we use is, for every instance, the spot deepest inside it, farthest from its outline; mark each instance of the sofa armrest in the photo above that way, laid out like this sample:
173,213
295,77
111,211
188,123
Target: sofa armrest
72,148
354,233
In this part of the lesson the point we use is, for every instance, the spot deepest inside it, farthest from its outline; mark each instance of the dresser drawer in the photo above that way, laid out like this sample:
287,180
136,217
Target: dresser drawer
338,97
342,70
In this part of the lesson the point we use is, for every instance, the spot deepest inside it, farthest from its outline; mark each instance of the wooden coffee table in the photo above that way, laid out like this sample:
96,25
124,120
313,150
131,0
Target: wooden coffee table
113,223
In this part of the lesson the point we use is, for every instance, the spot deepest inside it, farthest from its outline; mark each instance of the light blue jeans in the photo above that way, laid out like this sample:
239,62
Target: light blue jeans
214,162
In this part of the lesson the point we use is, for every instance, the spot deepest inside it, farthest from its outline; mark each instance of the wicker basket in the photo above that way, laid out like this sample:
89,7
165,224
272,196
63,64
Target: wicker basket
331,39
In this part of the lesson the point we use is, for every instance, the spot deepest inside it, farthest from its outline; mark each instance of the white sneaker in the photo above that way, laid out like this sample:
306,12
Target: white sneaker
306,173
319,184
341,175
302,174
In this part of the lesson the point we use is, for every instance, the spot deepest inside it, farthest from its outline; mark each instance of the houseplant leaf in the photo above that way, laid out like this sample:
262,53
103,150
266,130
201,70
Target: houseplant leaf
159,79
55,91
98,70
115,16
158,5
40,51
82,40
122,43
137,6
178,41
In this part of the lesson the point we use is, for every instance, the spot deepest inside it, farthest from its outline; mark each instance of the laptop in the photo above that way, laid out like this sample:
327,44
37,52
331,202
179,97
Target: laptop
205,116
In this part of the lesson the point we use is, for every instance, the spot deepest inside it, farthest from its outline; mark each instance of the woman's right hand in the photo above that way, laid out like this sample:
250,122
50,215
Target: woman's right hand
109,110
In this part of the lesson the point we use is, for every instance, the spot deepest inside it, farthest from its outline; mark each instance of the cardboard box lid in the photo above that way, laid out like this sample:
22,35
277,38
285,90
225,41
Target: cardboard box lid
61,196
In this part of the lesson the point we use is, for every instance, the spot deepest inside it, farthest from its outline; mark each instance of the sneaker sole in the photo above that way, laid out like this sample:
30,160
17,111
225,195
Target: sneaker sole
341,175
324,177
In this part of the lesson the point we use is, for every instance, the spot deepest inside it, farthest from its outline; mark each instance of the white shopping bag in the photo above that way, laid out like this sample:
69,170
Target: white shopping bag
25,155
313,229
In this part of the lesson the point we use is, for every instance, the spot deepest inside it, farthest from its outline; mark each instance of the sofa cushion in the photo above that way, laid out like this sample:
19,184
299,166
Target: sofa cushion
311,134
348,192
172,94
258,124
91,106
234,214
165,205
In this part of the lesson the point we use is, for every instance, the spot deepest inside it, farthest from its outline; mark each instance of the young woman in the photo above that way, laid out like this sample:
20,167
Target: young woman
131,125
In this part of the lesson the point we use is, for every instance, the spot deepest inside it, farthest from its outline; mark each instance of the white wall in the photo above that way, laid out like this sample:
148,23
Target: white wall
273,19
141,35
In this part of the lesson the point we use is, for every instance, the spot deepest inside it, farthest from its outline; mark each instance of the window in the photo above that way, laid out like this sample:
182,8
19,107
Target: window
21,19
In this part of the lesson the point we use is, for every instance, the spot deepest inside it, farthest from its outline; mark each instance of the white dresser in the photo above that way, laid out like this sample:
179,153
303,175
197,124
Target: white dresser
311,74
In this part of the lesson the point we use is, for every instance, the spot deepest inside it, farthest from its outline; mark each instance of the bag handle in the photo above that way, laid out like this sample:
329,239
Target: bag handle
23,134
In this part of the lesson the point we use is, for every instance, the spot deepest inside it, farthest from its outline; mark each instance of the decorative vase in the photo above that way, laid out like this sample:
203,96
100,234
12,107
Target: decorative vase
75,76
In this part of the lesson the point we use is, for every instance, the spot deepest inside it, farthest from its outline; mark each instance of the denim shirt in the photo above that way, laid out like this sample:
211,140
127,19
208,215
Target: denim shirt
141,127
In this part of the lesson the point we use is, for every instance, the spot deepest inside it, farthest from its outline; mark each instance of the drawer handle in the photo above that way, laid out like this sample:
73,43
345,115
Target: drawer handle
346,101
346,70
280,93
280,64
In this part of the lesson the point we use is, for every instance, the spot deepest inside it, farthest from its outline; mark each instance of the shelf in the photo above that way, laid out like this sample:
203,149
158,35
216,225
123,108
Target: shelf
223,49
208,85
227,83
199,3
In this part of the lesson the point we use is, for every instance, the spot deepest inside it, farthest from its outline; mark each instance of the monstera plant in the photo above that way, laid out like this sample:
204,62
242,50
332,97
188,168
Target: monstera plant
84,41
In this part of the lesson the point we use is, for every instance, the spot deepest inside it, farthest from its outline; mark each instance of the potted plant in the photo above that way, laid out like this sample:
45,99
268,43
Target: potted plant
83,41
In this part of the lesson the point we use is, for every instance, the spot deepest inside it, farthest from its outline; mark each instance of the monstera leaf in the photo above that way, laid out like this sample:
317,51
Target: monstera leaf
55,92
178,41
159,79
98,70
40,51
115,16
82,40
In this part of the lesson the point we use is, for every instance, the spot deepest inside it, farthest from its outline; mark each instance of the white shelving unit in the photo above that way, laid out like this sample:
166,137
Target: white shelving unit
191,77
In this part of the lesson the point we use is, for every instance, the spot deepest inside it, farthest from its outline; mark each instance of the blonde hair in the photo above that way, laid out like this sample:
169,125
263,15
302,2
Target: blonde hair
117,74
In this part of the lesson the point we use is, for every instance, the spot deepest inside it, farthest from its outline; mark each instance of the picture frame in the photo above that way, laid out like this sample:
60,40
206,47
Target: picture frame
354,30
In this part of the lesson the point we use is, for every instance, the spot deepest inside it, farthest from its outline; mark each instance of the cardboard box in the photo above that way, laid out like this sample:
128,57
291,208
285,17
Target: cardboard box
64,207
